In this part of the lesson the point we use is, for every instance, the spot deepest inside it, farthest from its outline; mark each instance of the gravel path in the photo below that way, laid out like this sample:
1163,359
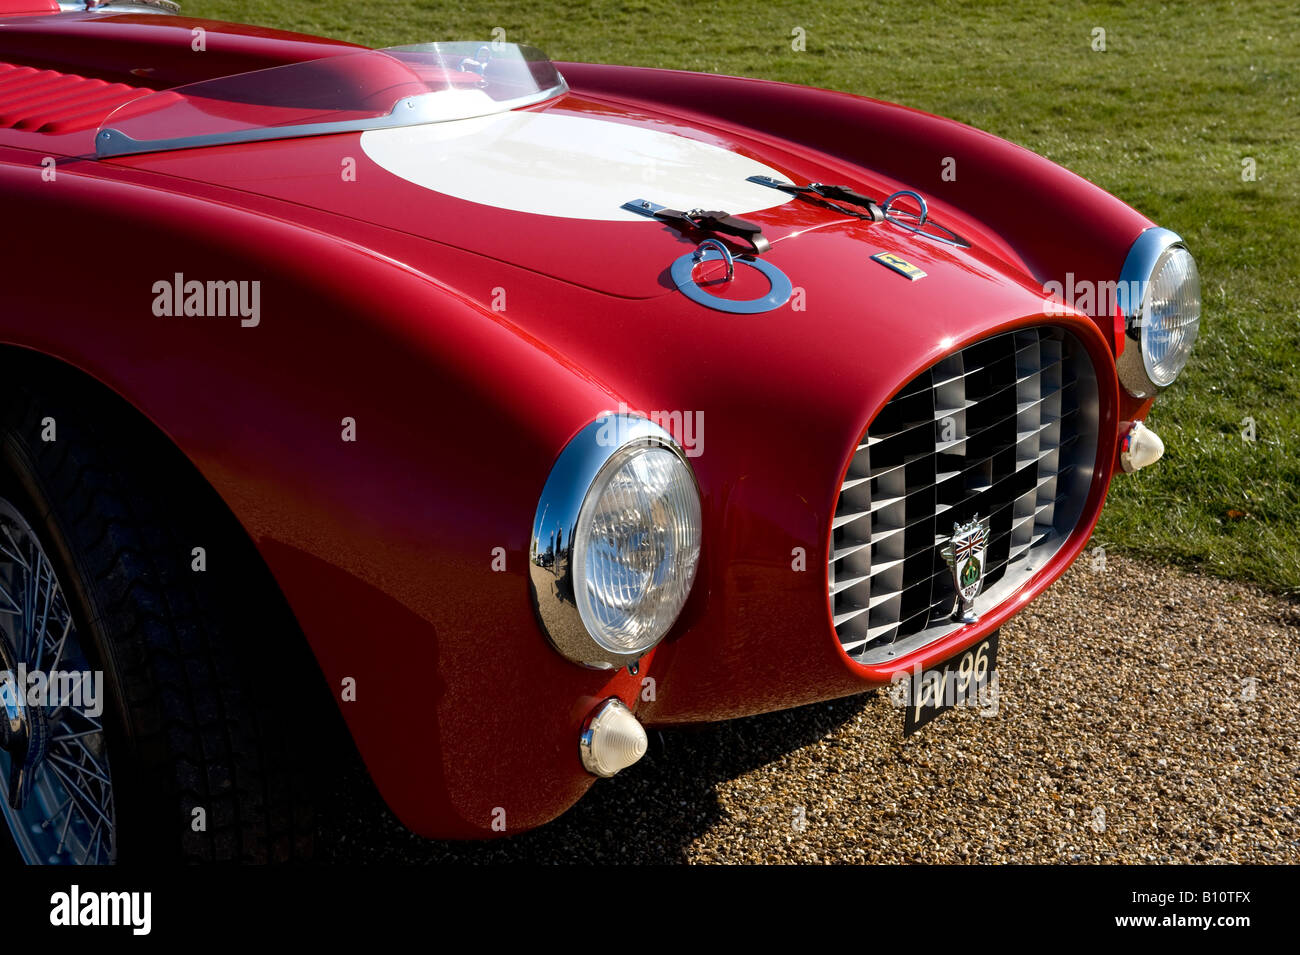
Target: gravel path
1144,715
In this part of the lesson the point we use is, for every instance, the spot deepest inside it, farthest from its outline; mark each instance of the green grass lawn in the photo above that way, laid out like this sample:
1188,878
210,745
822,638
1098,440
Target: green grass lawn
1163,118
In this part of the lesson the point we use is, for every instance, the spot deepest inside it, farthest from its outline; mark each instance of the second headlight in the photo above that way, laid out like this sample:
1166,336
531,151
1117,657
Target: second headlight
1171,315
1160,295
616,541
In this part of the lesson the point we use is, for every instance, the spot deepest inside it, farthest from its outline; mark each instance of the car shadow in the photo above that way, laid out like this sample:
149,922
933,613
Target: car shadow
650,813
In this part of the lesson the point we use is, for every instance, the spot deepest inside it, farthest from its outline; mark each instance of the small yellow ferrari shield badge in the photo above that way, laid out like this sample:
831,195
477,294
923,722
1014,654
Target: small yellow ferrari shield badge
899,265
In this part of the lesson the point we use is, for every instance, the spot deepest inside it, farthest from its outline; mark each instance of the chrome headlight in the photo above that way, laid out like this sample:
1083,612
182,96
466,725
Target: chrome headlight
616,541
1160,294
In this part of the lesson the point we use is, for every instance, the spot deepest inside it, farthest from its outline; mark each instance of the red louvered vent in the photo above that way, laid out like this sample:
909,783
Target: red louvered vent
46,101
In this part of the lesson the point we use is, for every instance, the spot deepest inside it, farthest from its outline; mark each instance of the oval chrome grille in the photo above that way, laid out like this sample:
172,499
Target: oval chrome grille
1004,429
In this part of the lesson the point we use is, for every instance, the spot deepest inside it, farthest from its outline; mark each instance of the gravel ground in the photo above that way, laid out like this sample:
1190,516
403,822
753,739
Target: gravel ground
1144,715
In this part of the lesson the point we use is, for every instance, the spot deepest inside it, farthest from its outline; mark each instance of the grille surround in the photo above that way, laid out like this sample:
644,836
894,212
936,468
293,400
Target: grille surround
1006,427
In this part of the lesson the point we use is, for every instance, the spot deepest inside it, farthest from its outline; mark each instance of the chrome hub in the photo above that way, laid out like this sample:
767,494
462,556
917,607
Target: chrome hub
24,731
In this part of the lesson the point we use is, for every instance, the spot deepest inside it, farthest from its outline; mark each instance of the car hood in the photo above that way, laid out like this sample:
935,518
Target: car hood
543,189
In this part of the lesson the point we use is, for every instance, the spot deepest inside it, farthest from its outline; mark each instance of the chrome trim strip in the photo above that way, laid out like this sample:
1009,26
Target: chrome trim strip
411,111
119,6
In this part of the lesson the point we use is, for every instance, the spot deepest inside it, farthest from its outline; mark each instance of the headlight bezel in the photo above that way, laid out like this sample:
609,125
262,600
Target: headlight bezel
1148,254
553,571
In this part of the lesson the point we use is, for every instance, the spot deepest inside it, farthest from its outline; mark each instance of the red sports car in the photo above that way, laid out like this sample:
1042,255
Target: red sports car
510,407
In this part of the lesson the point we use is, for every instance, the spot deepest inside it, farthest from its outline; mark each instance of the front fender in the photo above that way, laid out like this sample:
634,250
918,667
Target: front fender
384,545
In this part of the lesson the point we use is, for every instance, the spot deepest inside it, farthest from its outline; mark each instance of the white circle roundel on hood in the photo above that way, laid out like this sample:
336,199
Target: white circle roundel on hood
576,167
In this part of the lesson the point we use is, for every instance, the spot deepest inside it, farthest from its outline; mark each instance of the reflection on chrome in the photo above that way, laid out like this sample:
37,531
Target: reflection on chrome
615,542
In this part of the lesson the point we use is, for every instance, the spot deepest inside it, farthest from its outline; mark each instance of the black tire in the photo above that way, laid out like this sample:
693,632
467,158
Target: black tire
207,679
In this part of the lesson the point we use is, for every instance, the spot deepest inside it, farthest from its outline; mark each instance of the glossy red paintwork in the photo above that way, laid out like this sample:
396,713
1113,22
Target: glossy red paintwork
376,305
19,8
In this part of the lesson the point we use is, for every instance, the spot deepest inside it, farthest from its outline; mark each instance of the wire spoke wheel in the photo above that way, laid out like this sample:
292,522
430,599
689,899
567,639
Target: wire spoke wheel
54,761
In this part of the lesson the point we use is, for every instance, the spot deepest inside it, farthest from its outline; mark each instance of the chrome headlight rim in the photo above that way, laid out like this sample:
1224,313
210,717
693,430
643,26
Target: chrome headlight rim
553,572
1145,258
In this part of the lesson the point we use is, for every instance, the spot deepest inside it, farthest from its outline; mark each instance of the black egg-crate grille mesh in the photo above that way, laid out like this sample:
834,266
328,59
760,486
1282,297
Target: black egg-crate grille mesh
993,431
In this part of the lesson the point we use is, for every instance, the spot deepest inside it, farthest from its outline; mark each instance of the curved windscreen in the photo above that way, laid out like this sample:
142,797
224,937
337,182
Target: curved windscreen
348,92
